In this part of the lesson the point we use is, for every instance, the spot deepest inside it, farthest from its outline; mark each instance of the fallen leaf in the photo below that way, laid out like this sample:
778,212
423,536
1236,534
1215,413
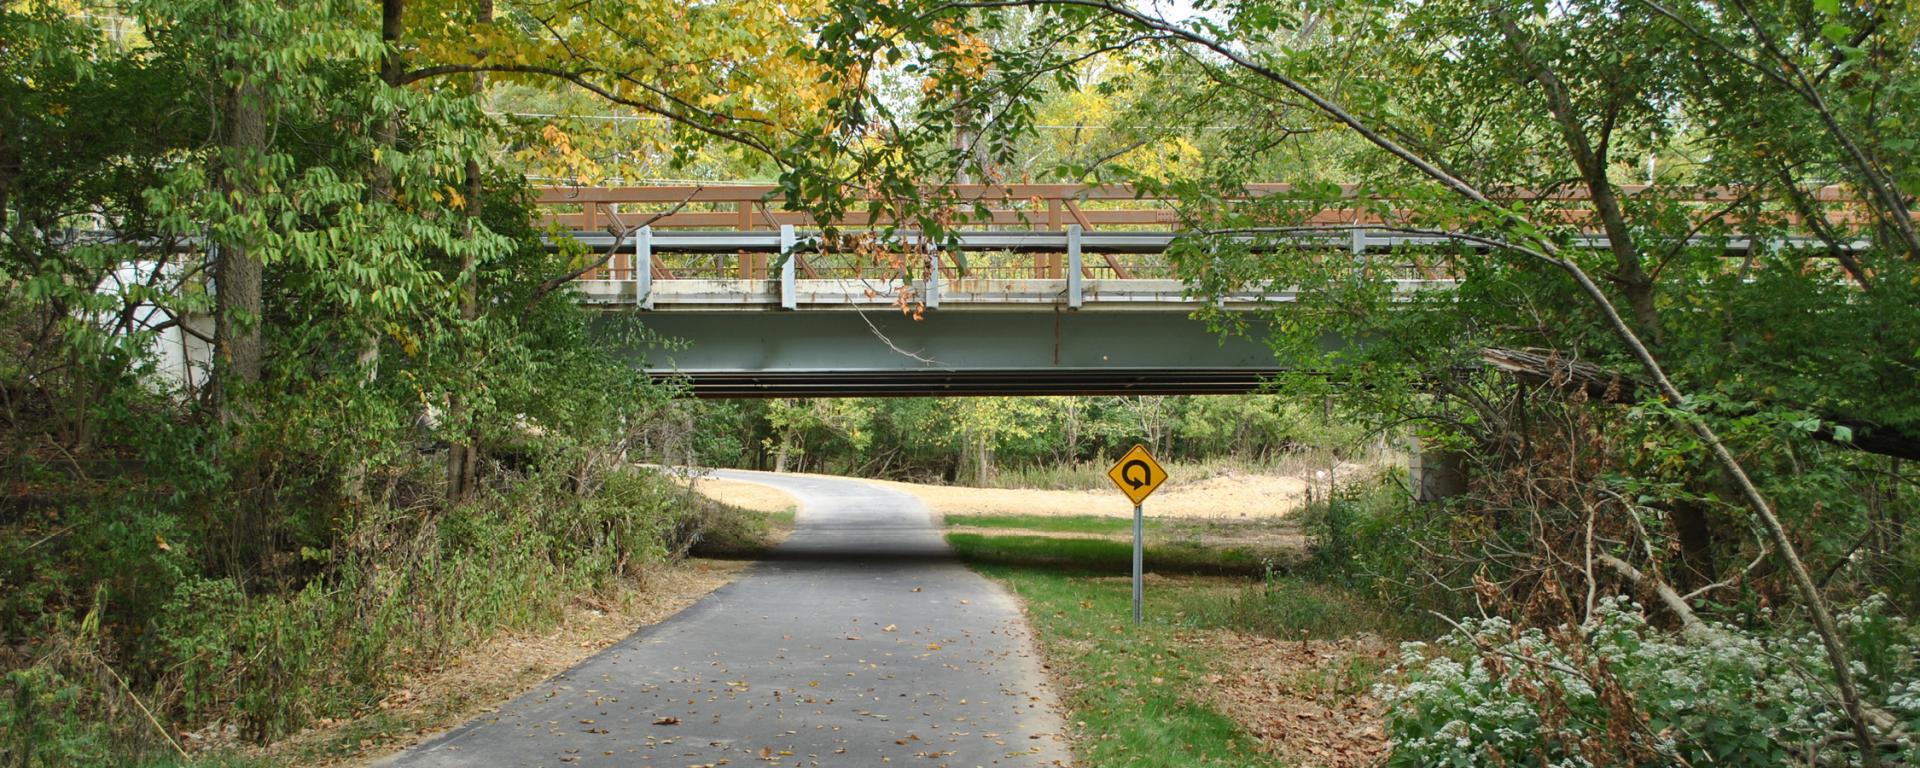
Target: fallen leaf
667,721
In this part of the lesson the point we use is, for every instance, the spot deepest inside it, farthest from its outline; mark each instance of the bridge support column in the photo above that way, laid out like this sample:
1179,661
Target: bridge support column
1436,474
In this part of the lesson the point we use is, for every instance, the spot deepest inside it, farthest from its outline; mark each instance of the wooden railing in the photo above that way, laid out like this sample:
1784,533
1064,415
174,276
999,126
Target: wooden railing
1053,207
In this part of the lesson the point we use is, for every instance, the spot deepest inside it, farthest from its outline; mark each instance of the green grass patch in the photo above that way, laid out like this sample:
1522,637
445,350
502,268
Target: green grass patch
1085,557
1130,691
1053,523
783,518
1294,607
726,531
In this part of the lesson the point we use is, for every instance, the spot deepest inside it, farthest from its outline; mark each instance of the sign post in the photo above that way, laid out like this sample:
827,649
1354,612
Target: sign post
1139,559
1137,475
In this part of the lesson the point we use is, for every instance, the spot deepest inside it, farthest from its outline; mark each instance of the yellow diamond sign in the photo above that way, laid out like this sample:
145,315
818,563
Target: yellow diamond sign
1137,474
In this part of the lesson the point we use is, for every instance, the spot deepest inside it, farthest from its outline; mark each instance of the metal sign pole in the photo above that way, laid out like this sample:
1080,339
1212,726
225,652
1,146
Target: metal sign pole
1138,558
1136,474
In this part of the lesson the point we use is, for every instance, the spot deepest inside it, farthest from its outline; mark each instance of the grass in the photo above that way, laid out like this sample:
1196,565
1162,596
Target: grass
723,531
1096,557
1127,696
1092,475
727,531
1130,690
1056,524
1294,607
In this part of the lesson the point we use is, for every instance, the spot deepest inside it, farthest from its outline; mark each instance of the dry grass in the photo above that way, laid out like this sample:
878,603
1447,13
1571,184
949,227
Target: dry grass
1307,701
1273,536
749,496
1224,497
493,671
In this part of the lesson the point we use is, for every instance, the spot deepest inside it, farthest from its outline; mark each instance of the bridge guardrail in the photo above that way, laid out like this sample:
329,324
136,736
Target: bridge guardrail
1020,232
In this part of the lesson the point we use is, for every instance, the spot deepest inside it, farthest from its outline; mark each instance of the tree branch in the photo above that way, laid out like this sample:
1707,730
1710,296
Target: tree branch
580,78
1668,597
1889,206
621,233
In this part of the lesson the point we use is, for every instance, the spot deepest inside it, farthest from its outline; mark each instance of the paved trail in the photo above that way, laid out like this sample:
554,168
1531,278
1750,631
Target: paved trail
860,642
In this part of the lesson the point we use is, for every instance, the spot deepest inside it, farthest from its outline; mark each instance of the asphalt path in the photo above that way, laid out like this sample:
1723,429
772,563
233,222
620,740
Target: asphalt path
860,641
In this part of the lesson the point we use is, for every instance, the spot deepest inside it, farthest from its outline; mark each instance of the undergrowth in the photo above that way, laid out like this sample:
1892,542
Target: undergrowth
235,659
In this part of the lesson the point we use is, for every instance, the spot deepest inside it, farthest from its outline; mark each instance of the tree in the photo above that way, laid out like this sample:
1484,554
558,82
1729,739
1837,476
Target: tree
1454,101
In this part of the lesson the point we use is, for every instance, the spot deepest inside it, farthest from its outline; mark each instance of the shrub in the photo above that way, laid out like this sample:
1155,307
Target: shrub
1618,691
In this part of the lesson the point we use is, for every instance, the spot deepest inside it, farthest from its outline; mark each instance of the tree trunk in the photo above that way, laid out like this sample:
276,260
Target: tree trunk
9,170
1695,533
1070,452
463,458
237,271
379,189
1590,158
1693,528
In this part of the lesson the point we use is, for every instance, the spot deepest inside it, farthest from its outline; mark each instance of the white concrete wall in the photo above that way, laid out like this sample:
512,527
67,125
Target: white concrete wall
182,362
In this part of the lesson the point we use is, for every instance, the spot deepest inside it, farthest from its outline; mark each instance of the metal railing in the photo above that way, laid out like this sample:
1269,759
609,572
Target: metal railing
1057,232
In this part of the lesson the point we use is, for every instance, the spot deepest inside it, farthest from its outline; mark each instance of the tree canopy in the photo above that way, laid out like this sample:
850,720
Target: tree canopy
326,206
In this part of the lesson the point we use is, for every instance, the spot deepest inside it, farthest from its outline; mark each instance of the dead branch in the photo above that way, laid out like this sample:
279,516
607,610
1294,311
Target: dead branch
621,234
1668,596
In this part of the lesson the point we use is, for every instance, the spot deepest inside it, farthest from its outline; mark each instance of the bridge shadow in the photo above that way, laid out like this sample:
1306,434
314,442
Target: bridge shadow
1091,557
1114,557
858,558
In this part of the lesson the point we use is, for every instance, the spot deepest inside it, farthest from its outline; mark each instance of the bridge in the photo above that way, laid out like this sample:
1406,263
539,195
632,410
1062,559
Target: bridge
1066,289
